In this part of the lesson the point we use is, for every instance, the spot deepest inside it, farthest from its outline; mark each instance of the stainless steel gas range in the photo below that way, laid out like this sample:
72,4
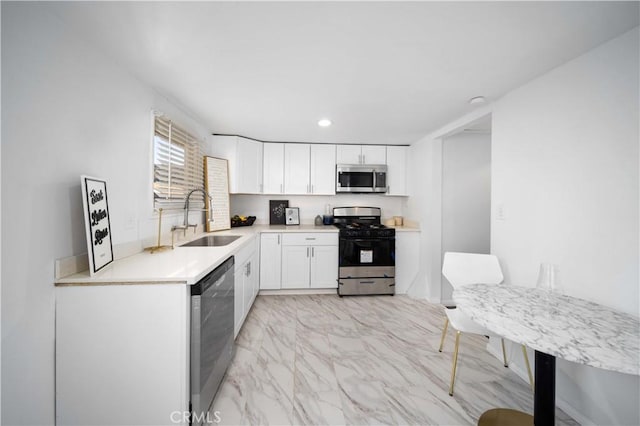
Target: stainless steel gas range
367,250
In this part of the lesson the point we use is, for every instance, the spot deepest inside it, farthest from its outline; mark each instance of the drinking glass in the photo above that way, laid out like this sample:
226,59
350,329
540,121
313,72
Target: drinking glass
548,278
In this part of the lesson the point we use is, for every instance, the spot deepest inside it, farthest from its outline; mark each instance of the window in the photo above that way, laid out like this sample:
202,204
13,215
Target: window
177,165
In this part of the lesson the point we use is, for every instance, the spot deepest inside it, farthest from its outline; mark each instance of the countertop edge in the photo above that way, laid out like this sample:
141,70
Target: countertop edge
109,283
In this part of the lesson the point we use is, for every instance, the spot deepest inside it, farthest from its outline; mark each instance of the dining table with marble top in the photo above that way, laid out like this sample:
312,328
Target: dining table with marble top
554,325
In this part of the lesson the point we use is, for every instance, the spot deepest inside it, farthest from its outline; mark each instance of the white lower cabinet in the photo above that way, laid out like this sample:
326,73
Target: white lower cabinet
309,260
270,261
246,273
324,267
122,354
295,266
407,260
298,260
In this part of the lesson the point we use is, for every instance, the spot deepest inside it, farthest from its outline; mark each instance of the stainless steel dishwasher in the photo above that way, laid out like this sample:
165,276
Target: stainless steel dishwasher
211,336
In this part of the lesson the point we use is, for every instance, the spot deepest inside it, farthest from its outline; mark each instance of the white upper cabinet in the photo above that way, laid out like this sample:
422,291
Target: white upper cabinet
361,154
323,169
397,170
249,170
348,154
297,168
273,173
245,162
374,154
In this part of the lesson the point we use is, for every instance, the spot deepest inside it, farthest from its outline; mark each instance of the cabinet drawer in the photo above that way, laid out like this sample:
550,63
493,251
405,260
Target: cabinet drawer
315,239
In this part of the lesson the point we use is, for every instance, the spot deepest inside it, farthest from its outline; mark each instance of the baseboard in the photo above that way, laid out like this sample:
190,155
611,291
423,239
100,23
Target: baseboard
303,291
575,415
447,302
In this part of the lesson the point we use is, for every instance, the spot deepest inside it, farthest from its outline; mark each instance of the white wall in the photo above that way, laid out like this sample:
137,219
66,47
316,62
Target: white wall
312,205
466,196
67,110
565,169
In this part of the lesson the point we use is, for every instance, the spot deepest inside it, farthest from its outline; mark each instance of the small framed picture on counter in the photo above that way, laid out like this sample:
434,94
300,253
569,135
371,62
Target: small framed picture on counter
292,215
97,224
276,211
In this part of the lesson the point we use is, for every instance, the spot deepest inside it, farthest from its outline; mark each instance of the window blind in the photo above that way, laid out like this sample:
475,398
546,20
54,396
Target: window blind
177,165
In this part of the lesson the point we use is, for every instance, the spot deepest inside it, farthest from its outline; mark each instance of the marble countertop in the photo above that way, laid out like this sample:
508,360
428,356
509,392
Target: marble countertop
566,327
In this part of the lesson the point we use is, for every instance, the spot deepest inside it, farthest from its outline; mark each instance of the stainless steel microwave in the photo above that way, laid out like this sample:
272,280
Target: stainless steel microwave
361,178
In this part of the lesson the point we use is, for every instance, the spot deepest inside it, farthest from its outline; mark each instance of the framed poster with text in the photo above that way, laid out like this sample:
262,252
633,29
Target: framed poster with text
96,220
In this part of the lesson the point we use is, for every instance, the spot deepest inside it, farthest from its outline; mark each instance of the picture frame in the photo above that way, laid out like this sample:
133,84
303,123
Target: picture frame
97,223
216,184
292,216
277,209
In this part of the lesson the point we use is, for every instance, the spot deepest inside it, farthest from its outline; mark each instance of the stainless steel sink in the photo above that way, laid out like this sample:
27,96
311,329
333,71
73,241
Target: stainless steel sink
212,241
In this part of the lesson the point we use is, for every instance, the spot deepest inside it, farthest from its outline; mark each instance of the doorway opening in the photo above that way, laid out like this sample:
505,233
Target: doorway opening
466,193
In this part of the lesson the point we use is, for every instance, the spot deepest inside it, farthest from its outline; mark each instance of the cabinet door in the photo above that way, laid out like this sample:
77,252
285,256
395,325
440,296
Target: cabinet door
270,261
248,172
407,260
348,154
238,299
273,168
323,169
296,168
249,274
295,266
324,267
397,170
256,263
374,154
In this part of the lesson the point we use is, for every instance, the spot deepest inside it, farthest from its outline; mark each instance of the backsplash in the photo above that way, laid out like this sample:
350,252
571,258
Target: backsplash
312,205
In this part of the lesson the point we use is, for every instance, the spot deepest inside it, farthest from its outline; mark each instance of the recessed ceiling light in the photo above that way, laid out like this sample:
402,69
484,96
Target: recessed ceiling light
477,100
324,122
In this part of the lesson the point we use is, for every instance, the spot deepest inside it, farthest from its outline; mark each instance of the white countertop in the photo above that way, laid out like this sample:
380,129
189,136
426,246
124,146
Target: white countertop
185,265
567,327
182,265
405,228
295,228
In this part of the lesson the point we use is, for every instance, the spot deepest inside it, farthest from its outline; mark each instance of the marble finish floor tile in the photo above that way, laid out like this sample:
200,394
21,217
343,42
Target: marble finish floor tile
325,360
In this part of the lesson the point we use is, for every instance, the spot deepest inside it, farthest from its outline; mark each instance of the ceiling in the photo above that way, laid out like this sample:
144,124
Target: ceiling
383,72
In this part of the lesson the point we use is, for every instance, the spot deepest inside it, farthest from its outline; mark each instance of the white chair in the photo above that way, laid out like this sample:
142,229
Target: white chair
461,269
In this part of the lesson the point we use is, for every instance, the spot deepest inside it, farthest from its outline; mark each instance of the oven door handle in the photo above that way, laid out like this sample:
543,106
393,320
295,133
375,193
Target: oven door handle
366,240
